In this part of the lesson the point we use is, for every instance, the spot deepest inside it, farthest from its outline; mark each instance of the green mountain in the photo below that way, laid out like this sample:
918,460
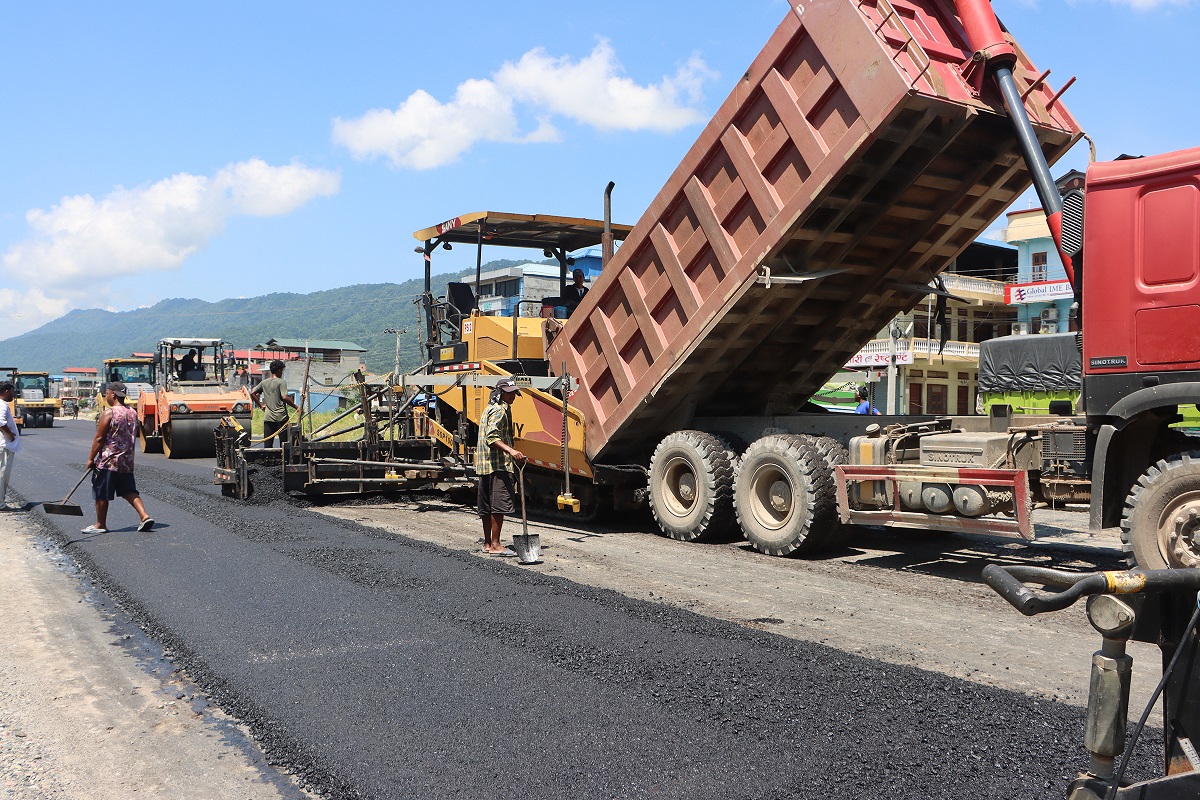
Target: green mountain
358,314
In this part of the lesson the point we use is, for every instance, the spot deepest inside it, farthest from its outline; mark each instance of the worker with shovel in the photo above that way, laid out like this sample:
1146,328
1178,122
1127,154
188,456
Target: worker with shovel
111,458
495,463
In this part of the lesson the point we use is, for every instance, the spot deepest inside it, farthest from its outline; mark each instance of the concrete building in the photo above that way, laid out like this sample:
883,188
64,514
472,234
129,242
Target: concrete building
929,381
1042,295
520,289
331,364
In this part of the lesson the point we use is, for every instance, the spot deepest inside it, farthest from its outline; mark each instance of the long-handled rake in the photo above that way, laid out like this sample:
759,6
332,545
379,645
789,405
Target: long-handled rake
66,507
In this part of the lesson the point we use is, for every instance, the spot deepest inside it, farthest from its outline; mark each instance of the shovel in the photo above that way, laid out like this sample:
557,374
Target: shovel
528,545
66,507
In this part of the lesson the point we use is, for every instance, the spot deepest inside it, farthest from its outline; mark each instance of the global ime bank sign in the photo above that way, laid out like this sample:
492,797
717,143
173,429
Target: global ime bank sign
1017,293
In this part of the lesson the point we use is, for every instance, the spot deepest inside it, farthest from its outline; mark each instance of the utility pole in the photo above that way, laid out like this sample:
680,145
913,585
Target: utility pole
893,335
398,332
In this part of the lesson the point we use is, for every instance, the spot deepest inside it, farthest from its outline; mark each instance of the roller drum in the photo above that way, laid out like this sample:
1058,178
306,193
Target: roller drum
189,438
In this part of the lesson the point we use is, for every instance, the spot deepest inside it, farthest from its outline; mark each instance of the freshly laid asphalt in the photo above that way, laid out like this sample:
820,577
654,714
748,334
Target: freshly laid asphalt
373,666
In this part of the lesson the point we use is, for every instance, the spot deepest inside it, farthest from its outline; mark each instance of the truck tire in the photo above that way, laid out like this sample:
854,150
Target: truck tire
784,496
48,419
833,454
1160,527
691,486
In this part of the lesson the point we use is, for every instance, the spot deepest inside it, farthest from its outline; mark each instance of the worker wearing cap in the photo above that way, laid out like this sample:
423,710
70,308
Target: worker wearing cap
495,463
111,459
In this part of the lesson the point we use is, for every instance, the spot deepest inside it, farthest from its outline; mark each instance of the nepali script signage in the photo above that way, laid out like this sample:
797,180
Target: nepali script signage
879,359
1018,293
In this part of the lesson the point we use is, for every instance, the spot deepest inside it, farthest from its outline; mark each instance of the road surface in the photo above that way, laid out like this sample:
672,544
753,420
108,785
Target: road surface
372,652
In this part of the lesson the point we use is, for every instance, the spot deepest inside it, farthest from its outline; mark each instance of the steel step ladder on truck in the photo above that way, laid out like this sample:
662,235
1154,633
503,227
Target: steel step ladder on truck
816,205
189,399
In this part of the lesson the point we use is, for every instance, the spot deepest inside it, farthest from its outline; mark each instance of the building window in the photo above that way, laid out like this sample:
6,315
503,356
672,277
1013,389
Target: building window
1039,267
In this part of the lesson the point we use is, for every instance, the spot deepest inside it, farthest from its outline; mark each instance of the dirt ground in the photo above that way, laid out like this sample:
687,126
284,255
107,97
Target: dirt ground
84,712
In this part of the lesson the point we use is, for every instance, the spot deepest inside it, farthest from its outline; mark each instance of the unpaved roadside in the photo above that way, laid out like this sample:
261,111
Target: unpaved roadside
901,599
82,719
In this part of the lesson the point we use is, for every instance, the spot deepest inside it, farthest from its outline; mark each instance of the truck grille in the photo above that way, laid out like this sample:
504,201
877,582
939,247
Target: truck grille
1068,446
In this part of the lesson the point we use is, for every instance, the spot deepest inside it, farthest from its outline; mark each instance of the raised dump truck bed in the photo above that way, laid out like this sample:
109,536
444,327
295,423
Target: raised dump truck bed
848,167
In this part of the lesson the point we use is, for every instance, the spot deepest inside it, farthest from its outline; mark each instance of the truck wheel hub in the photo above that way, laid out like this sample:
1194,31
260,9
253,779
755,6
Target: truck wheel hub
687,488
781,496
1183,535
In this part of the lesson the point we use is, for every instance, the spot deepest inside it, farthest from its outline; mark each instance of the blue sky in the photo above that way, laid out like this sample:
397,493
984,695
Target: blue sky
221,149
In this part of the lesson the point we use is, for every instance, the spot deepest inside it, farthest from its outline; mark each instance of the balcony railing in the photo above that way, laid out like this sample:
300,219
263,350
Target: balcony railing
980,286
919,347
929,347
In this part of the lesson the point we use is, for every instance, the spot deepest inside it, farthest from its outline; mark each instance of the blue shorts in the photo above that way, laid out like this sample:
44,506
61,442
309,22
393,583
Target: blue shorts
107,484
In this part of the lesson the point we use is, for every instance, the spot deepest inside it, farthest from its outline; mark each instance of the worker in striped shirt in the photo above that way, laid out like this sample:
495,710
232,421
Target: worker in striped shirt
495,464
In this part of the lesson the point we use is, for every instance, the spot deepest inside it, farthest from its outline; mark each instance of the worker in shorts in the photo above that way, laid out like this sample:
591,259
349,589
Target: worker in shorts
495,463
271,395
111,458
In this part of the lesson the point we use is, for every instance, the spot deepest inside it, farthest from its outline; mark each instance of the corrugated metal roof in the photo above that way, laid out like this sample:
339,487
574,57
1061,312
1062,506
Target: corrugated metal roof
311,344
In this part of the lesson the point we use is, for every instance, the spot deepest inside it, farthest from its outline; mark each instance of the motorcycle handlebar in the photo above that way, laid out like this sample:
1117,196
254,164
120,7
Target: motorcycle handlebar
1010,583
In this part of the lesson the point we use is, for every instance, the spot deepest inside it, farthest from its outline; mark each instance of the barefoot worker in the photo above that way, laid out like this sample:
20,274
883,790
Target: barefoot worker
495,459
112,458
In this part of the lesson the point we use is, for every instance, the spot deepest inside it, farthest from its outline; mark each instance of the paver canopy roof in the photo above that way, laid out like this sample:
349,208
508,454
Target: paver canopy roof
538,231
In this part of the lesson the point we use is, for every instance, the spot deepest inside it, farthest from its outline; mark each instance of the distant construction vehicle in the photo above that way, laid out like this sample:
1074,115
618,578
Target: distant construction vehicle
136,372
189,398
34,405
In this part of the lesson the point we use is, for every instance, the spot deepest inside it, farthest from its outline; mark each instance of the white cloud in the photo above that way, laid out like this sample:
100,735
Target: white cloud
593,91
26,310
79,245
424,133
1149,5
156,227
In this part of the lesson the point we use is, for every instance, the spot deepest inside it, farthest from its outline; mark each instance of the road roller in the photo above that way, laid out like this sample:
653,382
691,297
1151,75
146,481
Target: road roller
35,408
191,395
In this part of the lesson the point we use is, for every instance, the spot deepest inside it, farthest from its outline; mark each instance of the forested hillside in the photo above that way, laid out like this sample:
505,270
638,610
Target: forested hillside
358,314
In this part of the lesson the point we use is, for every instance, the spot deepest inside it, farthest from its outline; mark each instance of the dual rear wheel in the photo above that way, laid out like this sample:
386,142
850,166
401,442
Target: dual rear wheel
780,492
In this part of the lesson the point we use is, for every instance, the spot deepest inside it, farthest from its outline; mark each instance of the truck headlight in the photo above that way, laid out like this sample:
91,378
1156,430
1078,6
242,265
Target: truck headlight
240,408
180,408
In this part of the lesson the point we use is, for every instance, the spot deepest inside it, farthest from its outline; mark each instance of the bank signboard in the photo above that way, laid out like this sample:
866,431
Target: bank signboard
1044,292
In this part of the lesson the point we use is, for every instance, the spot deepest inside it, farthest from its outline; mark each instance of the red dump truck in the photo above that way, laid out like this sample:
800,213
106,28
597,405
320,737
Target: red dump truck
867,145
